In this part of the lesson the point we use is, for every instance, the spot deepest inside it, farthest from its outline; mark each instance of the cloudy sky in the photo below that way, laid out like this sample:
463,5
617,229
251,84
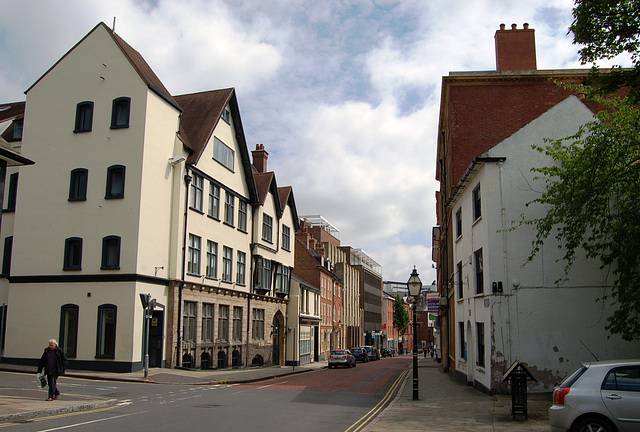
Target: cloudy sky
343,94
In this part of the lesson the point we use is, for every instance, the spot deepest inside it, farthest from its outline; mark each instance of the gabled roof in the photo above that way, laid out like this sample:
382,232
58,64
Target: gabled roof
137,62
265,184
285,195
9,112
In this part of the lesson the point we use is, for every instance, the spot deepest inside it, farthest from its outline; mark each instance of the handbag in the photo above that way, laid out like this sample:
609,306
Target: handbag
41,380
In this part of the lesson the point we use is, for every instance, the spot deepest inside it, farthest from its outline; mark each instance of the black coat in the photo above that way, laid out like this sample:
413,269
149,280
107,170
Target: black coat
61,361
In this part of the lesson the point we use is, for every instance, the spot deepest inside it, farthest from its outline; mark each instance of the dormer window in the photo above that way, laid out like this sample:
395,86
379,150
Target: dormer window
17,130
226,115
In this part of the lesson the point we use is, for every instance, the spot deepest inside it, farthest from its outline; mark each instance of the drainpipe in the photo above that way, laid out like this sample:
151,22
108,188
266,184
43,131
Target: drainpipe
505,264
187,182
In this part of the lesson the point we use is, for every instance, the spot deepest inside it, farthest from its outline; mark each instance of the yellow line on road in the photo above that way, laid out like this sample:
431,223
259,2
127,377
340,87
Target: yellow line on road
376,409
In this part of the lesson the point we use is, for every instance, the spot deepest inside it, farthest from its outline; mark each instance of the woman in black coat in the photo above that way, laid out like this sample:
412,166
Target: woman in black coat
54,363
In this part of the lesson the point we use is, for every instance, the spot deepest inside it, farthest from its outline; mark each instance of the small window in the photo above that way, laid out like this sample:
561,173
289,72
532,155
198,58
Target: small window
214,200
229,208
17,130
459,223
115,182
212,259
223,154
460,281
463,342
241,268
84,117
207,322
282,279
78,185
257,324
286,238
193,263
68,339
237,324
197,191
6,256
477,207
242,216
12,196
267,228
623,379
479,264
189,321
223,323
227,264
226,115
480,346
110,253
120,113
72,254
106,340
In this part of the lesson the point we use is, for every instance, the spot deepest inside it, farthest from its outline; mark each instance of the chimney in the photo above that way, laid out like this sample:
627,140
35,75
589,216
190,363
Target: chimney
515,49
260,157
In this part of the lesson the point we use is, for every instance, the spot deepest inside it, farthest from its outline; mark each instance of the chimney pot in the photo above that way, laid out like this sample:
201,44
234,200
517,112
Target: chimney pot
515,49
526,26
502,26
260,157
514,26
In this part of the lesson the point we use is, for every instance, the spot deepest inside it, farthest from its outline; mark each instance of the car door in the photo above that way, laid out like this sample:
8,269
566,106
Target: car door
621,395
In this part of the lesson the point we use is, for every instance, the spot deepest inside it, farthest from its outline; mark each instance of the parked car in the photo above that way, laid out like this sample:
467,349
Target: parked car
599,396
393,352
341,357
373,352
360,354
386,352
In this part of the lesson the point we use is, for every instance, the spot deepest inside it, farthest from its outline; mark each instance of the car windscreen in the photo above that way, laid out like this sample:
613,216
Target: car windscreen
571,379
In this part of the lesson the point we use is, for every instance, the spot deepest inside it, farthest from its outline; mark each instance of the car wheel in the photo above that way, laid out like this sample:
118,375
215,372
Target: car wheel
354,364
593,424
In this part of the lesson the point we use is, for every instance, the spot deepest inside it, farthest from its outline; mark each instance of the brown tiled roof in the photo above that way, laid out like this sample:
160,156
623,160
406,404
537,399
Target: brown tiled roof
201,113
285,194
263,185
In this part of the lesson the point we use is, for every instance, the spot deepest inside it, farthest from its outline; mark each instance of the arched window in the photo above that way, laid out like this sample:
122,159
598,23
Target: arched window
120,113
72,254
115,182
78,184
106,337
68,338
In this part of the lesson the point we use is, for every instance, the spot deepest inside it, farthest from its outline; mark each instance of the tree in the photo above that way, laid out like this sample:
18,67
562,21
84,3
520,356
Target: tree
400,316
593,191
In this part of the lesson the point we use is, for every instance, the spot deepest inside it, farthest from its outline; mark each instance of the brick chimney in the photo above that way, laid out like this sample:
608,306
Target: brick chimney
515,48
260,157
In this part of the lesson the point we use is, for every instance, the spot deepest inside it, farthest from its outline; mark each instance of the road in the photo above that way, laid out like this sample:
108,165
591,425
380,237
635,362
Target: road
324,400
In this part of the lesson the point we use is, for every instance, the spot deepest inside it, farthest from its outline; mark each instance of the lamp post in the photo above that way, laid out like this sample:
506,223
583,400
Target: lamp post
415,286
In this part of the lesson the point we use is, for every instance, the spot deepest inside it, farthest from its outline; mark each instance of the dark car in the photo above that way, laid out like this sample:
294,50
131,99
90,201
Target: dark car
373,352
360,354
341,357
386,352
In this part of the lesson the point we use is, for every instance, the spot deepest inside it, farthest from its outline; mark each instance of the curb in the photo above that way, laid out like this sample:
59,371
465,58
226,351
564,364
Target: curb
29,415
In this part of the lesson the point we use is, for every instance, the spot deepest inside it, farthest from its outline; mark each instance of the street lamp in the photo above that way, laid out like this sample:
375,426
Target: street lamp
415,286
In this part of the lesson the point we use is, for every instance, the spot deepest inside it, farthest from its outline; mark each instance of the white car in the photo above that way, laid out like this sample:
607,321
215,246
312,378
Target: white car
598,397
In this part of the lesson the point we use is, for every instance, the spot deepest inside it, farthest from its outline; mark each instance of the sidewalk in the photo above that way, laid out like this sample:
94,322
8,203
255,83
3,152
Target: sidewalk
444,404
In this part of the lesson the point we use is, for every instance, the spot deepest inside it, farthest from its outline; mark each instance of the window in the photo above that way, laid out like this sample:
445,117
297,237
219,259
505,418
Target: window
223,323
17,130
480,337
479,271
286,238
189,321
237,324
282,279
460,281
227,264
257,324
84,117
115,182
6,256
106,340
226,115
110,253
197,191
477,208
214,200
68,338
120,113
212,259
72,254
12,196
263,274
78,185
463,343
207,322
193,263
241,268
267,228
223,153
623,379
229,208
459,223
242,216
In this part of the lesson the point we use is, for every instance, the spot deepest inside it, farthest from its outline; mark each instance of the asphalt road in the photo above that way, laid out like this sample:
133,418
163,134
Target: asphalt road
323,400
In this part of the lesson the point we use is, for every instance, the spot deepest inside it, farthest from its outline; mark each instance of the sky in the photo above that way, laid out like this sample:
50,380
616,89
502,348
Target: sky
344,95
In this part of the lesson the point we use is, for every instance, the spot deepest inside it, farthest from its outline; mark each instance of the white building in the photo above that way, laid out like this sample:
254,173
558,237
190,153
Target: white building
506,308
136,191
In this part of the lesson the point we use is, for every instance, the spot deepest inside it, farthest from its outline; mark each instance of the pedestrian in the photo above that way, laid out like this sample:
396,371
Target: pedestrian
54,363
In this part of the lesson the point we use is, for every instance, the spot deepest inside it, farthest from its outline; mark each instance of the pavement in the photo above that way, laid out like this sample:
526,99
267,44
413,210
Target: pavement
444,404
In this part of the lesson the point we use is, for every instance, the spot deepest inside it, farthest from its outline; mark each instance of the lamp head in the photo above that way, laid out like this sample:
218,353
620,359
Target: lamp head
414,284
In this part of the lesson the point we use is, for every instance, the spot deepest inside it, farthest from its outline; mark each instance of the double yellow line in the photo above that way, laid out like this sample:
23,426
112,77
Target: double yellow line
365,419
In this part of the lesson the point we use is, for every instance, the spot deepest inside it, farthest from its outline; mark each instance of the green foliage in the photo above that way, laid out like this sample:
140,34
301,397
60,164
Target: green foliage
400,316
593,201
605,29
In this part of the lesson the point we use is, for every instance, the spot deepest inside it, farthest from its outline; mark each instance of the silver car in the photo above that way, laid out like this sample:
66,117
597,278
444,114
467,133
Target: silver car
598,397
